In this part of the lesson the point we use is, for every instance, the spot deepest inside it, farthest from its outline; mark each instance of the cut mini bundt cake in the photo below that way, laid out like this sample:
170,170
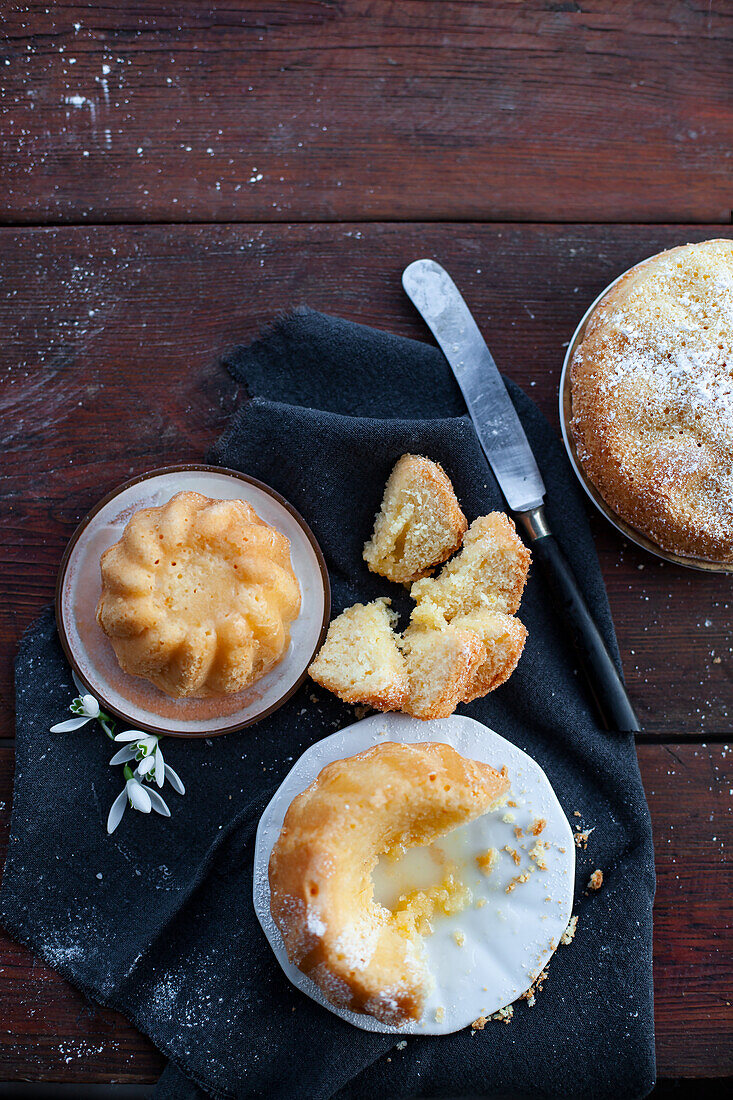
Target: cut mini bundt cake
389,798
490,571
360,661
420,523
198,596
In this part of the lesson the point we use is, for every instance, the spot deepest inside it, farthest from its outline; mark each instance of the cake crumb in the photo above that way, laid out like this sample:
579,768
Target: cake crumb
537,853
479,1023
576,813
537,826
402,1044
569,933
439,1014
530,995
596,880
486,861
581,838
459,938
511,802
518,880
518,832
504,1014
481,903
508,819
514,854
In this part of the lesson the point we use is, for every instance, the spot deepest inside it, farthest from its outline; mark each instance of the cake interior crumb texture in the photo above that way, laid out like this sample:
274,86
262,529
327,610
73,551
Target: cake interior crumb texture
360,661
420,523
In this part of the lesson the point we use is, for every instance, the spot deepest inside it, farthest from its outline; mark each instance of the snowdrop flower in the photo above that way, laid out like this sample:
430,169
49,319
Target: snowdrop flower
87,708
139,797
140,754
144,752
145,749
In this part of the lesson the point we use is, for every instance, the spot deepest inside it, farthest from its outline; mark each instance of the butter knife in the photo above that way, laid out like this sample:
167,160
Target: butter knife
438,300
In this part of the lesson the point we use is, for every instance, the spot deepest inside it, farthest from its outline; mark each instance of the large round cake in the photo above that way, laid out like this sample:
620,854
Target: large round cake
652,399
198,596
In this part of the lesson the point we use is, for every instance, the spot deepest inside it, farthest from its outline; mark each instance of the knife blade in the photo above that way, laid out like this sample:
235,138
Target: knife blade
509,454
440,303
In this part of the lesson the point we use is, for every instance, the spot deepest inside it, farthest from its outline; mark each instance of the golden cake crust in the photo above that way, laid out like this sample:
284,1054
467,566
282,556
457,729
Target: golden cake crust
652,399
322,895
198,596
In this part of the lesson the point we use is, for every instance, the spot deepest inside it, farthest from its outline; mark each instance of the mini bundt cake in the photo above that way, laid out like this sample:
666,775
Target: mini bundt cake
391,797
198,596
420,523
652,399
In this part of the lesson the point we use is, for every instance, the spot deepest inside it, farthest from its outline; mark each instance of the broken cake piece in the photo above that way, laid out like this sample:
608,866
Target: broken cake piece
360,660
420,523
489,572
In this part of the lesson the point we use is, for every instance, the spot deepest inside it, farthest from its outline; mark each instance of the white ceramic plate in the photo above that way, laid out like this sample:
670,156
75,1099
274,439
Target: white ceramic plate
90,653
510,939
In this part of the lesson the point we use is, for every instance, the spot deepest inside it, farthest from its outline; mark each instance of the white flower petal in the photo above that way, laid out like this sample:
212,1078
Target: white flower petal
121,757
71,724
146,765
149,740
79,686
118,808
139,797
174,780
158,803
90,704
129,735
159,767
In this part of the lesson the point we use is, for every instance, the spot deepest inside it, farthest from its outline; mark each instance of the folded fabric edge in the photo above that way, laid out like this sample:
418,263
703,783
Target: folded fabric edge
266,331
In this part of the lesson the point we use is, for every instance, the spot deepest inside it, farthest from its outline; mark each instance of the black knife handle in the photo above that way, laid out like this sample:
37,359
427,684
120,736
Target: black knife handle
604,681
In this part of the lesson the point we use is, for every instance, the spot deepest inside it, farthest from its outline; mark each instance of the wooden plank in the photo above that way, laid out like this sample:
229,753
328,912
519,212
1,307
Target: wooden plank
688,789
49,1032
313,110
108,368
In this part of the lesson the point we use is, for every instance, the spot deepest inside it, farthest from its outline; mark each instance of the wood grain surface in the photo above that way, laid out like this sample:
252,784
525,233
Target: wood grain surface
109,367
335,110
49,1032
307,151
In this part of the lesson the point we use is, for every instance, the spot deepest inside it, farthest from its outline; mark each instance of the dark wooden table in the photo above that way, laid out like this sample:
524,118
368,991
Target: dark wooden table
175,174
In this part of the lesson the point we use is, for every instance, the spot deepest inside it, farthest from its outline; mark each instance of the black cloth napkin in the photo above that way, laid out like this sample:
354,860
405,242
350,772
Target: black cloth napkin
157,920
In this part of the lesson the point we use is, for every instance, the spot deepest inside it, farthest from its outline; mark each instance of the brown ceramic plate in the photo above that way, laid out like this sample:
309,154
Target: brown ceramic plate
132,699
629,532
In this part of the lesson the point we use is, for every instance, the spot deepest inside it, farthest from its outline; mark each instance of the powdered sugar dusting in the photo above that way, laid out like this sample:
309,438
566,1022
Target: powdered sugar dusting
653,399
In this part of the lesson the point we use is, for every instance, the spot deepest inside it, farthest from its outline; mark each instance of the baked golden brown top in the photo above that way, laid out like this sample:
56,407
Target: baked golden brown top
652,399
361,955
198,596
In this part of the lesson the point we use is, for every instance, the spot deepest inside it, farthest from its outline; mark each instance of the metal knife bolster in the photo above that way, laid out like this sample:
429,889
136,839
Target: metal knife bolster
534,523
